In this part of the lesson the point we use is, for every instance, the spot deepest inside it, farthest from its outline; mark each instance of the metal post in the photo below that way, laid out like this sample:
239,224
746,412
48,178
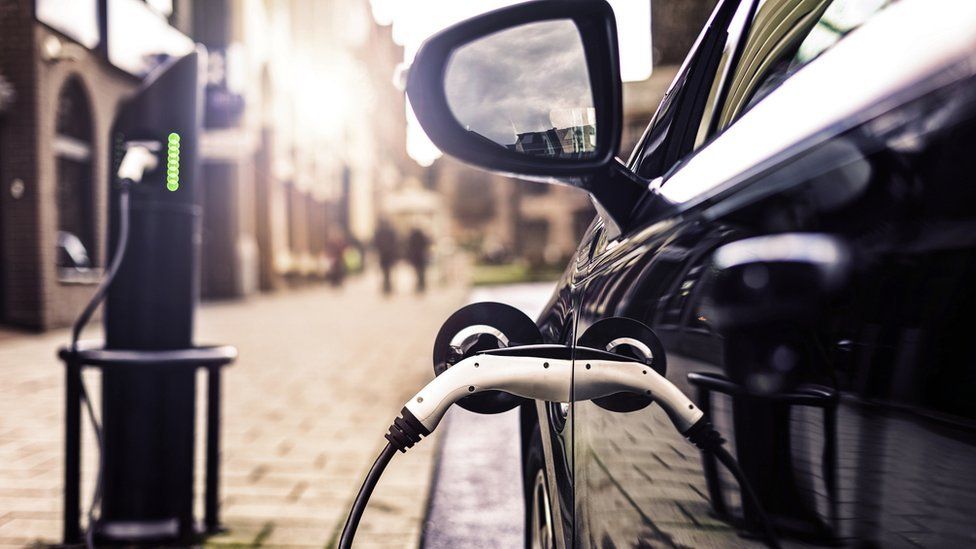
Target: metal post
72,451
710,466
211,496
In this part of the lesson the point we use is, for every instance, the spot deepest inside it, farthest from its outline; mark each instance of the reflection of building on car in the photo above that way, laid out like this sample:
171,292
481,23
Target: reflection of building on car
557,142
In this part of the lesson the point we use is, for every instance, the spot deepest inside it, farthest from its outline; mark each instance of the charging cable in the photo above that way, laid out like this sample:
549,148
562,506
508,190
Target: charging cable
541,372
139,158
76,330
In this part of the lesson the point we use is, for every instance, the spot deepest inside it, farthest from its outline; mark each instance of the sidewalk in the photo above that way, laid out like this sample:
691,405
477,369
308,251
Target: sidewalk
321,374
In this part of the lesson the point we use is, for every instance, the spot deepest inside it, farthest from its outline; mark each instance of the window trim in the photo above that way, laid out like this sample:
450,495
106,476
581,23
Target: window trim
670,128
745,149
720,86
78,149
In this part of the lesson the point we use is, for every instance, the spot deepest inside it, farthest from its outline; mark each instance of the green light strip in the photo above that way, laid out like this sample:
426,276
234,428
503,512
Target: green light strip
173,162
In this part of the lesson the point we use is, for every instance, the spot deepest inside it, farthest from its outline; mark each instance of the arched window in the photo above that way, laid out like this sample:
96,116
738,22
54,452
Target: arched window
77,250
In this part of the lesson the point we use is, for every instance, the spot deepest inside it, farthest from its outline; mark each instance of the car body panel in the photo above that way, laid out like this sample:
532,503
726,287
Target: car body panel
901,416
558,325
886,456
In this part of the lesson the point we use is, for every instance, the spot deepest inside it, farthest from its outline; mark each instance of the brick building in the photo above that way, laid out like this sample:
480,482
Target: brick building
277,183
54,151
303,143
504,218
317,138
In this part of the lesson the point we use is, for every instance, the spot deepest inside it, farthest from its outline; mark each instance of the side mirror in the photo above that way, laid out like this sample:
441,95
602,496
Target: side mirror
531,90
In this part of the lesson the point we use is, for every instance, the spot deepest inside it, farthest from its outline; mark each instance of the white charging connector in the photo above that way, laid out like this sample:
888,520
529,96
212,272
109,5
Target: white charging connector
543,372
549,379
139,158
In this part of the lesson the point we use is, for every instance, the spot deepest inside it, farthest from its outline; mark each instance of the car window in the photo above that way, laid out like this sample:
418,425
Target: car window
737,26
672,130
785,35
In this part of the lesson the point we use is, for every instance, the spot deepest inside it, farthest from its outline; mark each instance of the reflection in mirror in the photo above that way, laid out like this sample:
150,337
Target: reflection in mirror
526,89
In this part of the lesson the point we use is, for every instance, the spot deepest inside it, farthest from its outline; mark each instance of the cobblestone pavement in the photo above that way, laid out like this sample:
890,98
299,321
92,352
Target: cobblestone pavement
320,376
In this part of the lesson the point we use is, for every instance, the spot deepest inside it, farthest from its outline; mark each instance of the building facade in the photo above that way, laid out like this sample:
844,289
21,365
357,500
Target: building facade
502,219
54,156
303,135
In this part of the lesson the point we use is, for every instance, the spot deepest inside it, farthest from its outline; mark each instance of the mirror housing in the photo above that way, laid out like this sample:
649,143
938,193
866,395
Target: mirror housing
618,188
426,90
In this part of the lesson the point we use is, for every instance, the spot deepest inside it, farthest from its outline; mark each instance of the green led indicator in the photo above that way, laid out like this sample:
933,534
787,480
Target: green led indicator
173,162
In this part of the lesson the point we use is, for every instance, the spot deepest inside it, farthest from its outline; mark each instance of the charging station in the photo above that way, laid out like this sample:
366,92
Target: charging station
148,360
149,415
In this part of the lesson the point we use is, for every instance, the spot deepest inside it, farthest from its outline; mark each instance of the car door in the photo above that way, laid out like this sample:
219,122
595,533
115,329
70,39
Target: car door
651,272
793,400
611,456
552,487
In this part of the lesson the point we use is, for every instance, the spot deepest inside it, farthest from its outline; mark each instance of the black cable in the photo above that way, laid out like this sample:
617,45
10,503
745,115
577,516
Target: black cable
356,513
730,463
406,431
76,329
113,269
706,438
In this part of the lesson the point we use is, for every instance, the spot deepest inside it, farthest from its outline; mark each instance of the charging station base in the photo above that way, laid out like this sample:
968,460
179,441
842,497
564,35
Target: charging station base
92,354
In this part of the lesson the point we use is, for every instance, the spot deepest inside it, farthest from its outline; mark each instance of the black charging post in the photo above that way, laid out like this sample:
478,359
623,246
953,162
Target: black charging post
148,360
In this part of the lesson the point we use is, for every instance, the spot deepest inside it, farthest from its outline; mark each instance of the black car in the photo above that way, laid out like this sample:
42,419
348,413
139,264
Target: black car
797,227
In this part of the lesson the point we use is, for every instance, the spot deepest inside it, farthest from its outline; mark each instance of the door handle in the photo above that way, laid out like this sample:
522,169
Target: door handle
804,395
767,279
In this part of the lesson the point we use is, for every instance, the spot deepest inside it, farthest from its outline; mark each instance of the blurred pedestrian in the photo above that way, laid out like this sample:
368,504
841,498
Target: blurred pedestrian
385,241
418,245
335,250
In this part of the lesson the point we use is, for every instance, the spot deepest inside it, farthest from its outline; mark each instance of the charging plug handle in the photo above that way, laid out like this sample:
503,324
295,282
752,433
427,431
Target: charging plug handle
539,372
545,372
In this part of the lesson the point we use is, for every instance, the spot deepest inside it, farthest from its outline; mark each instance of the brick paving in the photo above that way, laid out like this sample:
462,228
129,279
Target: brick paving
320,376
644,480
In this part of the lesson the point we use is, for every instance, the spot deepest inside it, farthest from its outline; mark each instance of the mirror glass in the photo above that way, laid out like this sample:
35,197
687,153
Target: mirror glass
526,89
